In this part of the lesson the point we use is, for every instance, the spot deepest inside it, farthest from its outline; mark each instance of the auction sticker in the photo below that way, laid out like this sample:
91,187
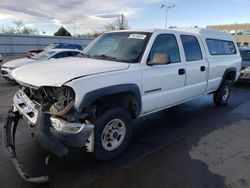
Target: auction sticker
137,36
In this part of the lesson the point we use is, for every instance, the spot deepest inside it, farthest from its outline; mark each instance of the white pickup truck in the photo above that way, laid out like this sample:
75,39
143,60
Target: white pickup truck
90,101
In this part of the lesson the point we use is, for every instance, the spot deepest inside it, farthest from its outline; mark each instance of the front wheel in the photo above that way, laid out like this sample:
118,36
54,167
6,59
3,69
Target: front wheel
112,132
221,96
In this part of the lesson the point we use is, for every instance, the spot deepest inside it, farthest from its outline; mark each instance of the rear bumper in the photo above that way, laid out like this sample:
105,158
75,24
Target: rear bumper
53,133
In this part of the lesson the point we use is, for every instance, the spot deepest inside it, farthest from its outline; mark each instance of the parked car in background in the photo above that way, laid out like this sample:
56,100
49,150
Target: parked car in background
245,67
7,67
1,58
33,52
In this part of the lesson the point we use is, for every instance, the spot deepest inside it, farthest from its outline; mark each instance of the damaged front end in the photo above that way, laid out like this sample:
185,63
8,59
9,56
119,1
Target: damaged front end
58,124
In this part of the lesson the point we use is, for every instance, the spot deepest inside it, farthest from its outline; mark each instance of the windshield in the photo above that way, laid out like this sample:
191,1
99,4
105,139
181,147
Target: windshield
51,46
245,54
43,55
119,46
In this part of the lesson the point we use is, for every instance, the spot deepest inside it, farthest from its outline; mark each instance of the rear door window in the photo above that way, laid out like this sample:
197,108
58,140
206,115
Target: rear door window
191,47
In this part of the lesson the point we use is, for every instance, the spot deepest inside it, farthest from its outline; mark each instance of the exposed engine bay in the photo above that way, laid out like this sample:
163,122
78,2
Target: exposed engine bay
52,100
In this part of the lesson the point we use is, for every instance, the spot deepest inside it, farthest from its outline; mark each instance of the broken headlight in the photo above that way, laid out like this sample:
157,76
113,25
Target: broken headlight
53,100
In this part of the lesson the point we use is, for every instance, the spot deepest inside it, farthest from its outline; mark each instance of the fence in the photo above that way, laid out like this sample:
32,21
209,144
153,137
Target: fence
20,44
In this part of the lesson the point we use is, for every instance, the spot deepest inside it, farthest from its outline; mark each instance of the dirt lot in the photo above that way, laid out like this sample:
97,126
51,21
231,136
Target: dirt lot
195,144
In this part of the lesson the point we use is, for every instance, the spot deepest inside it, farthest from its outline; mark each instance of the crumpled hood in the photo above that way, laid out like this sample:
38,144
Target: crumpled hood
18,62
57,72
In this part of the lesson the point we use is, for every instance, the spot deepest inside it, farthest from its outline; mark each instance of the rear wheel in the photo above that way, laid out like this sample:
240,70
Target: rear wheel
112,133
222,95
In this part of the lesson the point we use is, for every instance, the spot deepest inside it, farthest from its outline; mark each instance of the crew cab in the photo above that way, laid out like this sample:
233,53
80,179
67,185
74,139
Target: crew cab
90,101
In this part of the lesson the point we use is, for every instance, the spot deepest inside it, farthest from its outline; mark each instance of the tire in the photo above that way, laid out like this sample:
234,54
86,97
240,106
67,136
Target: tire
112,133
222,94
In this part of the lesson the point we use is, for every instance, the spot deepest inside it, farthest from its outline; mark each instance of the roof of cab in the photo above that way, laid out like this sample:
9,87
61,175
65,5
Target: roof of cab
207,33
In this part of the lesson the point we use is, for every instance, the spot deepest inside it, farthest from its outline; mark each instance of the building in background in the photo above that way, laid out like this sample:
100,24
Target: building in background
240,31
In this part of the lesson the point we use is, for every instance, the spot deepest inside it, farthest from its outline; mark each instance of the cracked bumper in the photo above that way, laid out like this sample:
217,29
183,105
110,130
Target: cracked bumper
9,130
53,133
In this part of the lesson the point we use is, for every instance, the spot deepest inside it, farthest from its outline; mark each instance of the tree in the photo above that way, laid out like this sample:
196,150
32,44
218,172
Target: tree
20,28
62,32
121,23
91,34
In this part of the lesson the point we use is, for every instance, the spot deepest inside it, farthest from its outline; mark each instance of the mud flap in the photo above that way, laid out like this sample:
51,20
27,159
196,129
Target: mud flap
9,131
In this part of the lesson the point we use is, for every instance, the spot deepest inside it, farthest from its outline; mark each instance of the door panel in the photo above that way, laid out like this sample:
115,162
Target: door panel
162,86
197,66
197,76
164,80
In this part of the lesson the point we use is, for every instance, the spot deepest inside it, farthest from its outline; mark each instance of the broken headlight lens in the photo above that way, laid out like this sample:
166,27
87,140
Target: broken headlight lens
57,100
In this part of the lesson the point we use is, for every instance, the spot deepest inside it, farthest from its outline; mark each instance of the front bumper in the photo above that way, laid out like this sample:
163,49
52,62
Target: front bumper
9,130
245,74
53,133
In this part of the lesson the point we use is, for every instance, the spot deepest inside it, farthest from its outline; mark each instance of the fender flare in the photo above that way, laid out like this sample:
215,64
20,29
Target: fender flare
231,69
92,96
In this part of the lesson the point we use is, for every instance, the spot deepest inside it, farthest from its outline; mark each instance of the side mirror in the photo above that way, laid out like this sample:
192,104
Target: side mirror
160,59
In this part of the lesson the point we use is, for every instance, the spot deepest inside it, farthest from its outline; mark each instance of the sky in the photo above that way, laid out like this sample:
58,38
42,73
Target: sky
92,15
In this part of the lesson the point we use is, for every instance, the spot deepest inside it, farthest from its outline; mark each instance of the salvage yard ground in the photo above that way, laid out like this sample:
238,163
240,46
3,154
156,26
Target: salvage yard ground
195,144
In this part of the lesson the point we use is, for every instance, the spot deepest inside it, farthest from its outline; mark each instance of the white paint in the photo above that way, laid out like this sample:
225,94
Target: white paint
137,36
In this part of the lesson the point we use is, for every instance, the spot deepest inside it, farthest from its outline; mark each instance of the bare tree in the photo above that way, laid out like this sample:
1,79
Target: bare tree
20,28
121,23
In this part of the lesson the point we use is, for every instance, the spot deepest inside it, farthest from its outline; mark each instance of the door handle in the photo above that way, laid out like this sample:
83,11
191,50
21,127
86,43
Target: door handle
181,71
203,68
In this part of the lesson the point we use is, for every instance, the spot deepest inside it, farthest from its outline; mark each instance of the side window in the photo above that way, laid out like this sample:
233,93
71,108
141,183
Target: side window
61,55
167,44
191,47
74,54
220,47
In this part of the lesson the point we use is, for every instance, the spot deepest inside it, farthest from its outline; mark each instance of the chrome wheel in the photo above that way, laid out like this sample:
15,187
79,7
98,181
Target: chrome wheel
113,134
225,93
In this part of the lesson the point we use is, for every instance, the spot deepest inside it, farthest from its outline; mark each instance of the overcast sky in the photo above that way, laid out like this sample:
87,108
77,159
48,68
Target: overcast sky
49,15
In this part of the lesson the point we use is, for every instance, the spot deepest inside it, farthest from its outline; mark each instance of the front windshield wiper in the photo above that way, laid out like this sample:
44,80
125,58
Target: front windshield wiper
103,56
106,57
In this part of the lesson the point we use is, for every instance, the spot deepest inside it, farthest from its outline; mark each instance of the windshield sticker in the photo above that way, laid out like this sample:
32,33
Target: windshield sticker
137,36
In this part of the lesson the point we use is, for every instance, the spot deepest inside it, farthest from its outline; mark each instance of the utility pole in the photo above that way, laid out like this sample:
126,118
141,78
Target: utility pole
167,7
74,26
122,22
